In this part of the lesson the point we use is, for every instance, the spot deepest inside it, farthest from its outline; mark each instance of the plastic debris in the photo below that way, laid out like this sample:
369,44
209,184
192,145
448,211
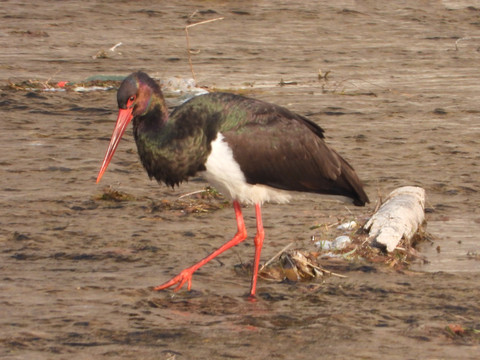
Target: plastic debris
349,225
177,88
49,89
184,87
324,244
339,243
399,217
92,88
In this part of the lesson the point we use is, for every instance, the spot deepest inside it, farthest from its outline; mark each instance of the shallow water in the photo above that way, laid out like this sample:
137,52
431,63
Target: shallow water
457,251
400,103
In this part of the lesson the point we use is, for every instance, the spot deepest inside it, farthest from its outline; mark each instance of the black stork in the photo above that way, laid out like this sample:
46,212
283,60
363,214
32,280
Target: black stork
251,150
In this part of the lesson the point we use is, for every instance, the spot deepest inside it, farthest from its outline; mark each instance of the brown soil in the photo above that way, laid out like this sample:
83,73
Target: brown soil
398,97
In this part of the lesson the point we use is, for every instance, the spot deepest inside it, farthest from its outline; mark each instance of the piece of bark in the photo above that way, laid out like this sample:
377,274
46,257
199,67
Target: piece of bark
399,216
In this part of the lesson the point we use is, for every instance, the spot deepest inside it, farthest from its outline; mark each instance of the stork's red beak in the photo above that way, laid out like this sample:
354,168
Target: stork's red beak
124,117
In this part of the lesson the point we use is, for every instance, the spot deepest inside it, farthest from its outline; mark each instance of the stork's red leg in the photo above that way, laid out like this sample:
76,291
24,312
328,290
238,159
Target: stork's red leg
186,274
258,248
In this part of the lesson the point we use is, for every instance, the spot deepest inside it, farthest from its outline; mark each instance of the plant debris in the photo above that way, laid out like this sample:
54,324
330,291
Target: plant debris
88,85
197,202
316,260
111,194
202,201
295,265
465,334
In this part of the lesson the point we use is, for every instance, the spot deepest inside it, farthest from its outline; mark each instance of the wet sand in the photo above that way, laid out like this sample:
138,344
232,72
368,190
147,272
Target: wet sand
400,103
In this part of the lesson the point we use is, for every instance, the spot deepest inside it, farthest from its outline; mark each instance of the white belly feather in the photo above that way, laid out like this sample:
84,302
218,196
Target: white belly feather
224,173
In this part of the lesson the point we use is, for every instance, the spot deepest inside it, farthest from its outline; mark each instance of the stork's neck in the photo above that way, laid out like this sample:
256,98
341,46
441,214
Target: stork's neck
158,108
156,115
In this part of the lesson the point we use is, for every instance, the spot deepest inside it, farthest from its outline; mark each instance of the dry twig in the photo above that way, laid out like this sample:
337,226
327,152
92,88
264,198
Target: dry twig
189,52
276,256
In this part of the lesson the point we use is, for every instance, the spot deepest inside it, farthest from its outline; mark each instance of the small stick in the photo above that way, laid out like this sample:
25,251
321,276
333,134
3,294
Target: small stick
188,43
328,272
276,256
115,46
191,193
327,226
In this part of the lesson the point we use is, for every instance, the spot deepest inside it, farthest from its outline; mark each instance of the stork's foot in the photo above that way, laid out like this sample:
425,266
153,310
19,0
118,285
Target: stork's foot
185,276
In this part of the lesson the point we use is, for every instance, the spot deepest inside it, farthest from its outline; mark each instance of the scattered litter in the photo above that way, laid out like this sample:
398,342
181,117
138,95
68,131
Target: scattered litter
341,242
353,249
338,244
349,225
324,244
50,89
180,86
93,83
92,88
177,88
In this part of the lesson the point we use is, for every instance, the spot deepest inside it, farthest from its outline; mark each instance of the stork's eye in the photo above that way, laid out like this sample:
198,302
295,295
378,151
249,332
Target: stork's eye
130,100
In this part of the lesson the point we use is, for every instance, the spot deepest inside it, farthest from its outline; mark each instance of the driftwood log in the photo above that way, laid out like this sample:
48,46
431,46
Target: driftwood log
398,217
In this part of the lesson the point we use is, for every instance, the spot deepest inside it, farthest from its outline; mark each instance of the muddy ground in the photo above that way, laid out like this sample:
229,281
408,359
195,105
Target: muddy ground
398,97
